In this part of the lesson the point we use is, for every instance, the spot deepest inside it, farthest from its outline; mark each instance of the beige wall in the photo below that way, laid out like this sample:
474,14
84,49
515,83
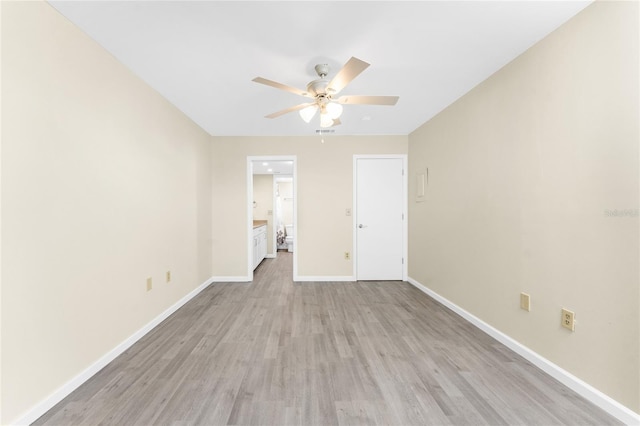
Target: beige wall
522,172
325,186
263,196
104,184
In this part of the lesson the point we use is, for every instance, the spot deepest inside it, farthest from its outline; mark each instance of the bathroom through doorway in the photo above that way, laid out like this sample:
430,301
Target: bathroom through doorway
271,210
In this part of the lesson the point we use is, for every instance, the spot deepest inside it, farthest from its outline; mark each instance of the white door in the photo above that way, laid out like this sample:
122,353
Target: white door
379,218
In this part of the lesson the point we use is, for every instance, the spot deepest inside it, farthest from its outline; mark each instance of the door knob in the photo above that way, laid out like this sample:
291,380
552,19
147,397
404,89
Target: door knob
362,226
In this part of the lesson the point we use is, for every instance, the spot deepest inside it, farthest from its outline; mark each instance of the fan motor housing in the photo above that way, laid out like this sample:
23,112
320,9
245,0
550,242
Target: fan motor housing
318,87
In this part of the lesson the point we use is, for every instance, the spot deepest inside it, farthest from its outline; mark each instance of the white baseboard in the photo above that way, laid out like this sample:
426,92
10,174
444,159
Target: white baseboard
231,279
270,256
45,405
582,388
323,278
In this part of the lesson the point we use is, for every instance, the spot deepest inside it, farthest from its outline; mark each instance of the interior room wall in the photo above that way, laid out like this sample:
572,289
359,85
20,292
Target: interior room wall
104,184
325,187
263,196
533,184
286,194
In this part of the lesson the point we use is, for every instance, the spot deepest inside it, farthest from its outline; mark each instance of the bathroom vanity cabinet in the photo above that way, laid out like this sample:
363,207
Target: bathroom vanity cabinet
259,244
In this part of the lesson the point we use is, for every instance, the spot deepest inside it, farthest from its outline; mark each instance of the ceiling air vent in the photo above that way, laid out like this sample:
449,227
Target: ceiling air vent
325,131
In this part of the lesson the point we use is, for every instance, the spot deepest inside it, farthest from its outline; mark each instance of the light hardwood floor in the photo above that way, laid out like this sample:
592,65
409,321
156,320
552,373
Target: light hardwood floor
275,352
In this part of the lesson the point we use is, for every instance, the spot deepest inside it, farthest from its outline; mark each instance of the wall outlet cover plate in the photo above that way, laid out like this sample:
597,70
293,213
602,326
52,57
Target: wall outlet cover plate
568,319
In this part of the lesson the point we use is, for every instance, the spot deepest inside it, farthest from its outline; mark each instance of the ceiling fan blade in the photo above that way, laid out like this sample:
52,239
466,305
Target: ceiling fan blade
349,71
336,122
288,110
368,100
281,86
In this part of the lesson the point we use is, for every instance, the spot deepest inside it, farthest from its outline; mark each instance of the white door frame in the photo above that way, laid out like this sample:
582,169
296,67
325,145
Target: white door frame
405,228
250,160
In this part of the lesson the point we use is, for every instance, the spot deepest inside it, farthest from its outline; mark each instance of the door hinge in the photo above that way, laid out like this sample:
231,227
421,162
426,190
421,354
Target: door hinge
403,260
402,216
402,172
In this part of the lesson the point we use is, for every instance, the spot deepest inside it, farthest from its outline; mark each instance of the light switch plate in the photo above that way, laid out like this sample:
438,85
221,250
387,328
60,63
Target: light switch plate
525,302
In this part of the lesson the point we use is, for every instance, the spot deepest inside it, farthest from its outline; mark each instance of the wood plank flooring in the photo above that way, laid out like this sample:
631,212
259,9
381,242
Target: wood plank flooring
275,352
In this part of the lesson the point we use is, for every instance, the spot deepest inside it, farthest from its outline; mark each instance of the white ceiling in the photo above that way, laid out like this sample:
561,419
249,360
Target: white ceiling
202,55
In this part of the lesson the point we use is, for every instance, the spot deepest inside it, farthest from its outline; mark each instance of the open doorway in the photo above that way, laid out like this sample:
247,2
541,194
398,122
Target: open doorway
271,209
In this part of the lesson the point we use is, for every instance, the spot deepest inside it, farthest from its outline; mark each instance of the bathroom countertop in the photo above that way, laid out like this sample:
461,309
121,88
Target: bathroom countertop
259,223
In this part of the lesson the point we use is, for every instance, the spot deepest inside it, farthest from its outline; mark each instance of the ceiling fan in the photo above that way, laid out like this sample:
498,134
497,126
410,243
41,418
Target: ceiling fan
323,91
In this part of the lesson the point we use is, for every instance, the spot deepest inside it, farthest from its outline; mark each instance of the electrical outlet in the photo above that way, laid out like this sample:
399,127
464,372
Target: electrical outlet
347,255
149,284
347,212
168,276
568,319
525,302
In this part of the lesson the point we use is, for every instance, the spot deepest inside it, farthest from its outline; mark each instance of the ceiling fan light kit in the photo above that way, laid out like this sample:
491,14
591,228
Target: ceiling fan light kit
334,110
322,92
325,120
307,113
